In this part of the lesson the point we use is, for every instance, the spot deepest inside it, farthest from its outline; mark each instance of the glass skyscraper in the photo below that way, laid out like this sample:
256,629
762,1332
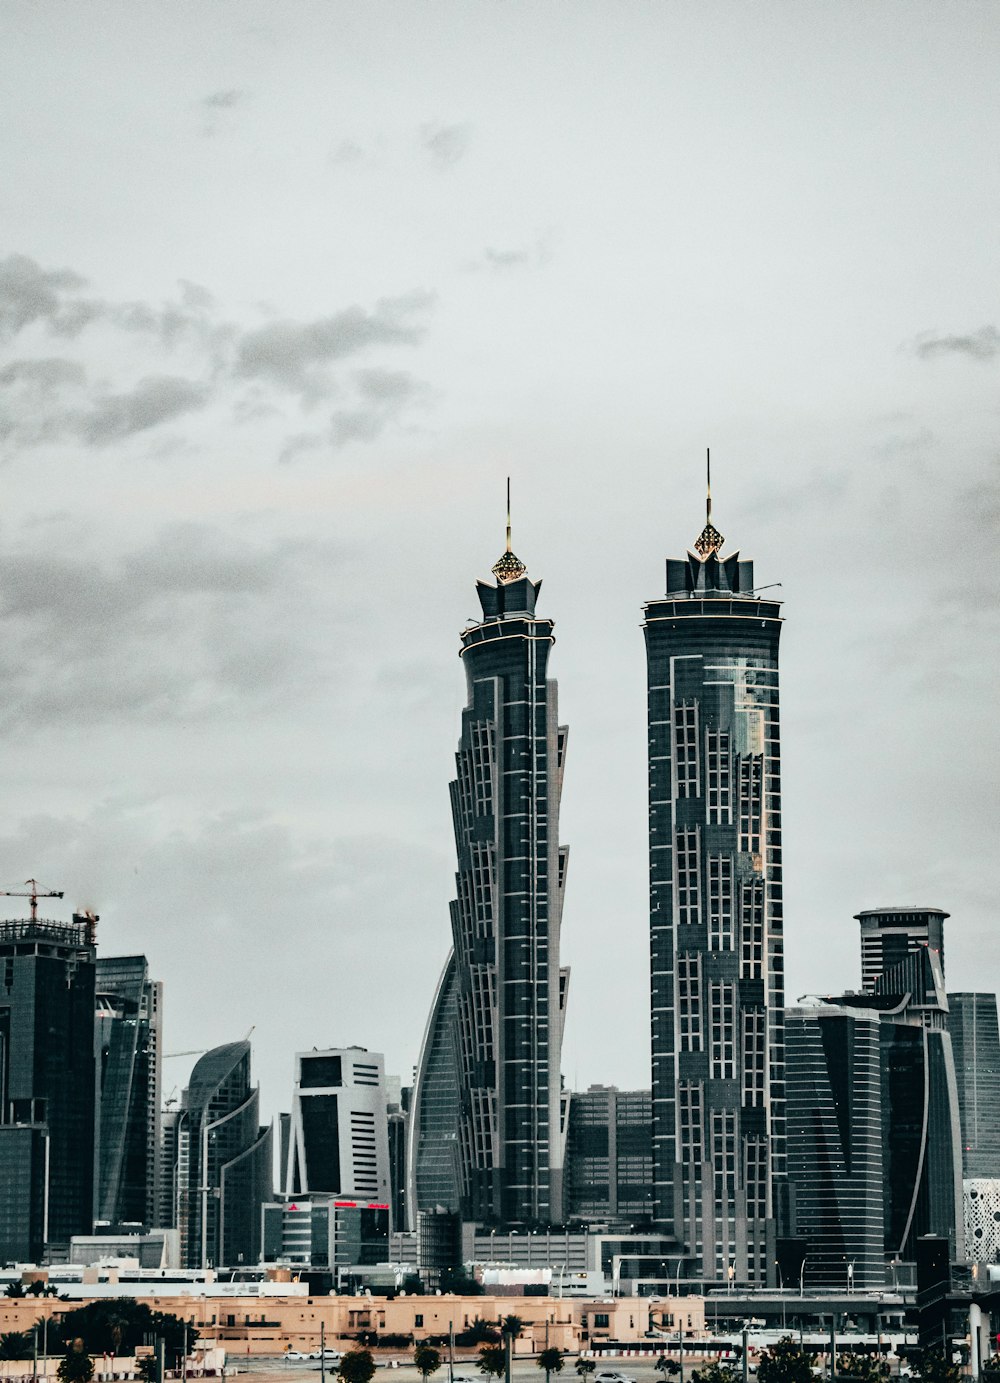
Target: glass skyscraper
434,1174
223,1170
975,1038
127,1048
834,1089
506,918
717,983
46,1085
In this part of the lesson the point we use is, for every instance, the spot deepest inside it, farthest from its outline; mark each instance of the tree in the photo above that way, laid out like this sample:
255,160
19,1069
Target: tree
493,1360
585,1367
13,1289
427,1360
933,1367
15,1345
357,1366
148,1369
864,1367
717,1373
480,1332
512,1326
76,1366
667,1366
119,1324
551,1361
457,1280
784,1362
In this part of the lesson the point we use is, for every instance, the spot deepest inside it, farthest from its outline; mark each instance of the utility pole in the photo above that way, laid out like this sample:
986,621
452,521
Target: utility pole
746,1362
506,1356
833,1349
161,1351
34,1353
451,1352
322,1352
184,1356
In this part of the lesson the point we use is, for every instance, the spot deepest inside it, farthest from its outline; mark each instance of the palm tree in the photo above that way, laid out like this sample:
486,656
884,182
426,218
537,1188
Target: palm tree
551,1361
492,1360
585,1367
512,1326
15,1345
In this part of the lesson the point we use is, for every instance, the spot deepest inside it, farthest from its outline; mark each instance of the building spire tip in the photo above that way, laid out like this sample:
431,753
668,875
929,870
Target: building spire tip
508,568
709,540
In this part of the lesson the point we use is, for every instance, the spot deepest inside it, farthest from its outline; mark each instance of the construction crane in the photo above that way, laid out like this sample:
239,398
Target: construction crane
200,1051
34,895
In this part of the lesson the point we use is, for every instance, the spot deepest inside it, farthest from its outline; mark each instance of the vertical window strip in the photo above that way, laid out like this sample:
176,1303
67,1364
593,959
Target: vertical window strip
720,903
687,863
689,1001
752,929
719,794
722,1021
685,732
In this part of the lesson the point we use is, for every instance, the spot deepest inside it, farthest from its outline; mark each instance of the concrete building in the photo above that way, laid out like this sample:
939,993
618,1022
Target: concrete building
609,1156
975,1039
889,935
47,1084
506,919
338,1135
128,1055
716,946
835,1165
224,1159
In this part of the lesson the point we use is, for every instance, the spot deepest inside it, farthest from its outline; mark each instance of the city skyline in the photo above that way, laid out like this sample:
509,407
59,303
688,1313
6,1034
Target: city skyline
229,727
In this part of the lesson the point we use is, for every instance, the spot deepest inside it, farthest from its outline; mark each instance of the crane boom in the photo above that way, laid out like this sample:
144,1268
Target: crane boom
35,893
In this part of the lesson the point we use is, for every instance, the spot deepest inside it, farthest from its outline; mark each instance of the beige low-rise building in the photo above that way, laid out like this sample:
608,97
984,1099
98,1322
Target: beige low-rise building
273,1324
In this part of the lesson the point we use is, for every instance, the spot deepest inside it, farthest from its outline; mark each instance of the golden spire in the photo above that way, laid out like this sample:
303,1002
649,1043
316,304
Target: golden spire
508,568
709,540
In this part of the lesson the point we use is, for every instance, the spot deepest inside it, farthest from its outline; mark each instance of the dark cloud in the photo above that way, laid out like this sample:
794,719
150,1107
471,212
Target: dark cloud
44,376
152,401
983,344
445,144
289,353
188,626
224,100
29,293
382,396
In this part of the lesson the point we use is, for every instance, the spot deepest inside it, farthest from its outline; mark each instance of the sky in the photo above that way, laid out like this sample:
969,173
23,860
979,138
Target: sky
288,291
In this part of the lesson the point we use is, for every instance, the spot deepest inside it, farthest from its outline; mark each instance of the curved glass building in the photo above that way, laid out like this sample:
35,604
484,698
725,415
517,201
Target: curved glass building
224,1162
433,1163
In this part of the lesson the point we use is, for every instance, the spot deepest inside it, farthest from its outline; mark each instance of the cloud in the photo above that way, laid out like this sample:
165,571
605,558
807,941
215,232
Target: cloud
154,400
983,344
532,256
48,398
29,293
445,144
347,152
188,626
224,100
289,352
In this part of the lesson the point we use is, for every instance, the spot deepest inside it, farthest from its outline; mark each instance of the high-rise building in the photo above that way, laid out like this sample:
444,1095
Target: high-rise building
46,1085
921,1188
717,981
338,1137
506,919
834,1109
433,1163
889,935
609,1156
224,1157
975,1039
128,1053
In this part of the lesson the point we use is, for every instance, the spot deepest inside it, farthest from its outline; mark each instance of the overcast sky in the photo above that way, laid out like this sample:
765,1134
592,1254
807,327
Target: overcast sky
286,291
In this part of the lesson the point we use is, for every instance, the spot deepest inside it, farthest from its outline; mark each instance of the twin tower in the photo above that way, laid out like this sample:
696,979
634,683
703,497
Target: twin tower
490,1117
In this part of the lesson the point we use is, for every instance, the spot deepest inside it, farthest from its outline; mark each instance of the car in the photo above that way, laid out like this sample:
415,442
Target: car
468,1378
612,1376
295,1356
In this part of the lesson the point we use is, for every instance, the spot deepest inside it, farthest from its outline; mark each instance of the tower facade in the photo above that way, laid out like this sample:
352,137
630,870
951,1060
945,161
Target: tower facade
223,1168
128,1054
339,1139
717,988
889,935
510,992
46,1084
433,1161
975,1039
